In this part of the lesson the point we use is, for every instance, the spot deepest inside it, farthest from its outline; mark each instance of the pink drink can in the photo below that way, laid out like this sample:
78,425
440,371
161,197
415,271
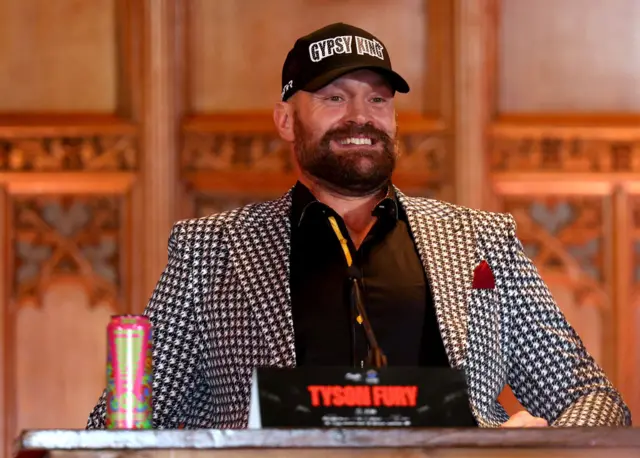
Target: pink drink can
129,373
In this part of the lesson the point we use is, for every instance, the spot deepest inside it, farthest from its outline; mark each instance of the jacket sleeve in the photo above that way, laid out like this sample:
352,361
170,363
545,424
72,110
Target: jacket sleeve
550,372
177,341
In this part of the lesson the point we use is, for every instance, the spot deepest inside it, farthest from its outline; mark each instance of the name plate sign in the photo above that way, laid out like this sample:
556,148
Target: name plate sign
338,397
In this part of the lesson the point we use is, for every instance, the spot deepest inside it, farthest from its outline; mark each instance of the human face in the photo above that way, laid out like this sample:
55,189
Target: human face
345,134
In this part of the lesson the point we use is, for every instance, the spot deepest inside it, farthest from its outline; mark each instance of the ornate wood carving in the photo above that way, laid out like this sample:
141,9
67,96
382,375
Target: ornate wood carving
564,236
421,153
628,291
81,153
254,164
67,236
558,153
634,207
259,152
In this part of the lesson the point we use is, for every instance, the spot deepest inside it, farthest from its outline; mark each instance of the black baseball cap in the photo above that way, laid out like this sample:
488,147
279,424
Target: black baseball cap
320,57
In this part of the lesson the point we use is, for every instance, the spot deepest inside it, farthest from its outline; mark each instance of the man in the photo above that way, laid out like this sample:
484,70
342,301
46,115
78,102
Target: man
266,284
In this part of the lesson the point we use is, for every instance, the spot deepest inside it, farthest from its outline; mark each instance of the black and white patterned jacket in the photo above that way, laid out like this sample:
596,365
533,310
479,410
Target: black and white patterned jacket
222,307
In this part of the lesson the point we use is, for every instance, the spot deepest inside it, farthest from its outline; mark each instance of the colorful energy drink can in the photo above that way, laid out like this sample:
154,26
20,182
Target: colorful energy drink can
129,373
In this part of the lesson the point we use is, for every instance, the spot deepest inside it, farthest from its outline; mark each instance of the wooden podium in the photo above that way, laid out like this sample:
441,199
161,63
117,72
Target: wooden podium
307,443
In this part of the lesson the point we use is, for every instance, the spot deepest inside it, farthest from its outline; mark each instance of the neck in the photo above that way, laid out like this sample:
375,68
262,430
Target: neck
355,211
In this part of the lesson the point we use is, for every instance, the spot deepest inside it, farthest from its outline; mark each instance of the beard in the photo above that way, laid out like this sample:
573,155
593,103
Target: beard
355,173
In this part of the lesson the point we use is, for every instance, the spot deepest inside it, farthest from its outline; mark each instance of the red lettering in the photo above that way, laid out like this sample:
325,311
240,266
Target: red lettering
326,392
411,395
358,396
395,396
314,390
320,391
378,392
339,396
363,395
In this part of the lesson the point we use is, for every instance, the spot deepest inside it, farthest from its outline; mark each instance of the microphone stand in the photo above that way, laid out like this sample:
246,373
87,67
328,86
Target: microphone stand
376,357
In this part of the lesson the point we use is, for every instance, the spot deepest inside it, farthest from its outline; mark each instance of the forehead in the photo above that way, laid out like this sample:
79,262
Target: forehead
360,79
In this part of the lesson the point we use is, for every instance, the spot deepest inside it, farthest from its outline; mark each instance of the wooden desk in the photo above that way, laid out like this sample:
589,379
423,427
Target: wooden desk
312,443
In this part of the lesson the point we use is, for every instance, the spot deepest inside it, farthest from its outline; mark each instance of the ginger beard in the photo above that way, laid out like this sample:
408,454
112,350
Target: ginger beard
351,170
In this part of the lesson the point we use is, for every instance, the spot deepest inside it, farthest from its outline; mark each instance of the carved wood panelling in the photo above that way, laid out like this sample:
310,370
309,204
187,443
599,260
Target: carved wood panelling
78,153
635,239
542,150
72,103
242,153
258,152
628,332
264,152
571,185
58,237
67,245
566,238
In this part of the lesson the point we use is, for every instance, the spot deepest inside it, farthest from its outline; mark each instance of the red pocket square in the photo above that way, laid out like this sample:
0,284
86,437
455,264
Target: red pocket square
483,277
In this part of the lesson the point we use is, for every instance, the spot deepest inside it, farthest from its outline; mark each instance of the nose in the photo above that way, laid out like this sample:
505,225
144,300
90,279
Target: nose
357,112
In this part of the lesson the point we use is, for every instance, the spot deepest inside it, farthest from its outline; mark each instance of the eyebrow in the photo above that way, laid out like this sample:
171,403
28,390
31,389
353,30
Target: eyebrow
379,88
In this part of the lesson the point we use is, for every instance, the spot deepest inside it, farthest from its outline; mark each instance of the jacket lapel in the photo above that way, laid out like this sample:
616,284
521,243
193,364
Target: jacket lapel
447,249
260,250
260,245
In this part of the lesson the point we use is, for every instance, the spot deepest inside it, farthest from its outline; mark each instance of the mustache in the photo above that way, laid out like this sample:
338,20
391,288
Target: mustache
354,130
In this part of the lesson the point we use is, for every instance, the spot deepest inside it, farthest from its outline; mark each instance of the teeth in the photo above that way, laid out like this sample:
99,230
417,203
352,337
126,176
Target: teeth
356,141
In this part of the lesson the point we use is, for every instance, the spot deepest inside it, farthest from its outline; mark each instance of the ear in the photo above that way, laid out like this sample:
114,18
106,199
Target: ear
283,119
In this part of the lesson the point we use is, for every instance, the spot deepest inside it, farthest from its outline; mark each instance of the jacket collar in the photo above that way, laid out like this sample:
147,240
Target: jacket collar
303,202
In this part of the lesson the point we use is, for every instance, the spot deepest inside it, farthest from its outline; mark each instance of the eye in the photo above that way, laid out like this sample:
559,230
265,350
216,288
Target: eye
378,100
334,98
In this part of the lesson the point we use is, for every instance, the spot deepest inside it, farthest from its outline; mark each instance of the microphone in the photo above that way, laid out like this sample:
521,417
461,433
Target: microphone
376,357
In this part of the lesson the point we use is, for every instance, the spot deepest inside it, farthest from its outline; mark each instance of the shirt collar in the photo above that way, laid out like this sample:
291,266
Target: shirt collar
304,203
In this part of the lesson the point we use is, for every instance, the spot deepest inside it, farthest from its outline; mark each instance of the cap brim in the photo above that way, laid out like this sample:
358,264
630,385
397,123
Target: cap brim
397,82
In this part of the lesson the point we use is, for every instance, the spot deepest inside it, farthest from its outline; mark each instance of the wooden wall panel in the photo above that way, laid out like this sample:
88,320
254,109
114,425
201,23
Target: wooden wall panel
88,153
58,55
68,270
570,145
237,64
6,422
569,56
627,269
568,238
69,171
546,159
566,123
60,356
235,152
64,236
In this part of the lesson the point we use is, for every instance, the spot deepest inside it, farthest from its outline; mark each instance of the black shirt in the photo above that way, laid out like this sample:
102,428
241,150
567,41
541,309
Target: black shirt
396,294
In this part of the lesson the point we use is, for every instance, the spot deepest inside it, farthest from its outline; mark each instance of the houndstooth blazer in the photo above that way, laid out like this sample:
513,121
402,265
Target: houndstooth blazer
222,307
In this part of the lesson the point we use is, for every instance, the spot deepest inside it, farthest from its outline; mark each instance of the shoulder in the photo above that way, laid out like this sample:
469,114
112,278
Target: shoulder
483,220
210,229
492,221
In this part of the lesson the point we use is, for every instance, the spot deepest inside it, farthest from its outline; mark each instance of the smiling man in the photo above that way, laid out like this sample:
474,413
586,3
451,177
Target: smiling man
268,284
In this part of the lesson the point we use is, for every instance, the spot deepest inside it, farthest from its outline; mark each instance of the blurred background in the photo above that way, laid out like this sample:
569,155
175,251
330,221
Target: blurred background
119,117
